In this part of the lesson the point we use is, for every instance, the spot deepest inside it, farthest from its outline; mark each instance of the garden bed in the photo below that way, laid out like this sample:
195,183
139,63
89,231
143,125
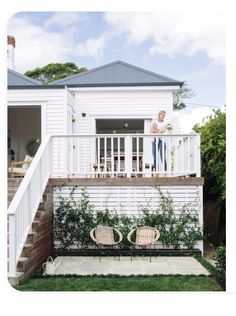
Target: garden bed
126,252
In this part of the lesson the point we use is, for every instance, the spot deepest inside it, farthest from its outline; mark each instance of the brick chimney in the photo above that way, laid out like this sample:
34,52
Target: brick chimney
11,44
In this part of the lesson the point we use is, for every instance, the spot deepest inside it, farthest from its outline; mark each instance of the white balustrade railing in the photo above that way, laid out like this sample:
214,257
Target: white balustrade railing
127,155
24,205
101,155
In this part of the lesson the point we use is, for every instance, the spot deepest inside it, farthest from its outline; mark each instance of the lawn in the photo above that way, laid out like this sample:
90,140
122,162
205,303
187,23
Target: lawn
120,283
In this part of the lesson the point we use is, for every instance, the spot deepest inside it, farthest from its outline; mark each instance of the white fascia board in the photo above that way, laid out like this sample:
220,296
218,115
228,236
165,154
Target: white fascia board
136,88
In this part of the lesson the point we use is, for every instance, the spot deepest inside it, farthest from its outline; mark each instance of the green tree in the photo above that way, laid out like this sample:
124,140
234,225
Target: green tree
54,71
184,93
213,146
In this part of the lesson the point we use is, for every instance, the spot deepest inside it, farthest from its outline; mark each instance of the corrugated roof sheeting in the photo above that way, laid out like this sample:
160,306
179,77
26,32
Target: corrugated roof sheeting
16,79
117,73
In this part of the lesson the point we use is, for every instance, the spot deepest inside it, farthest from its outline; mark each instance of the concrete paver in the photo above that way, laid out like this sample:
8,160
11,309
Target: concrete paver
138,266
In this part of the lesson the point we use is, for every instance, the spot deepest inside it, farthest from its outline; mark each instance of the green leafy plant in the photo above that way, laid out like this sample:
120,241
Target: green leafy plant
220,258
84,220
177,230
75,219
54,71
213,154
189,228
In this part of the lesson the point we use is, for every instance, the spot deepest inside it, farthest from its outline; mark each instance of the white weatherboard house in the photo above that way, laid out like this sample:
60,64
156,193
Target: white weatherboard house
94,131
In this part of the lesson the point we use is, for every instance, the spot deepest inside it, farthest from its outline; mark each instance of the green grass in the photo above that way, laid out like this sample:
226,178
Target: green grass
121,283
215,273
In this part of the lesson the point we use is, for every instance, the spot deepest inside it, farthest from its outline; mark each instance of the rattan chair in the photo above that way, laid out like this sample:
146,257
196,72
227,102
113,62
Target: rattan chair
19,168
105,236
144,236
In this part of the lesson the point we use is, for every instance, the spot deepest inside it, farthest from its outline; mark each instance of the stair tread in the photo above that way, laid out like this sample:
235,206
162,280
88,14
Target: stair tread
28,245
23,259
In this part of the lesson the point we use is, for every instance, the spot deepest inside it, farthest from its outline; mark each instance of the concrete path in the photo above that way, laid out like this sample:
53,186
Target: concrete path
139,265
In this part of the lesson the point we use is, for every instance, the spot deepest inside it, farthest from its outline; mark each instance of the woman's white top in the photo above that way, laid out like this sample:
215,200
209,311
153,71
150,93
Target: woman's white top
160,125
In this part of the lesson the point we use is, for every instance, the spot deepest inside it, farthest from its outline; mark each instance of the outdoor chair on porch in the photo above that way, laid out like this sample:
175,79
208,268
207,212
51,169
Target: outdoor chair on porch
105,236
19,168
143,236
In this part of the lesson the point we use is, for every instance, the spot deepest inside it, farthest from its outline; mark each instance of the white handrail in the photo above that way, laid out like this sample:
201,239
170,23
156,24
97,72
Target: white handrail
24,205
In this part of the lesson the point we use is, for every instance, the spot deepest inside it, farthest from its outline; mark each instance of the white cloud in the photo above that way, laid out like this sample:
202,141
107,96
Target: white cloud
36,46
188,119
64,19
173,33
92,47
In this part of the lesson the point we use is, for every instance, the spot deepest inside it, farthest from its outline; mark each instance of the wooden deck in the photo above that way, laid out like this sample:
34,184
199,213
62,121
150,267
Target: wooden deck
168,181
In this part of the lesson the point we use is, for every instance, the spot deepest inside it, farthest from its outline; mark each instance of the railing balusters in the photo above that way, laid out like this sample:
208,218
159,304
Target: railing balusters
182,155
137,161
98,158
188,154
118,153
112,156
168,154
105,155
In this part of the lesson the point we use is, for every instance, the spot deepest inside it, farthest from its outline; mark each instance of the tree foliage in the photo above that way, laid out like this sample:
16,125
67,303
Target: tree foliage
54,71
184,93
213,146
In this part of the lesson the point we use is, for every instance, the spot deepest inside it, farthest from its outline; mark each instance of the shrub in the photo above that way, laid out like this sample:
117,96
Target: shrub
73,221
189,228
220,258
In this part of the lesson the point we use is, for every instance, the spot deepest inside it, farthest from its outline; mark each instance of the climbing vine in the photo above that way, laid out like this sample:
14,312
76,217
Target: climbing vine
74,220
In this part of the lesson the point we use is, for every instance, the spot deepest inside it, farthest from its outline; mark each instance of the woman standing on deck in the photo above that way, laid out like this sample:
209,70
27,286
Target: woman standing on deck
159,126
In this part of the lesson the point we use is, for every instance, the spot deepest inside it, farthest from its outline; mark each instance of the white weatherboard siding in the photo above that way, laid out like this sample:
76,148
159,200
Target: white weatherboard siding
118,104
110,103
131,199
53,101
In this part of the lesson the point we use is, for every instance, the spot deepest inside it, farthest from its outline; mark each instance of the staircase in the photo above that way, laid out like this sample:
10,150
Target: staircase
39,242
13,185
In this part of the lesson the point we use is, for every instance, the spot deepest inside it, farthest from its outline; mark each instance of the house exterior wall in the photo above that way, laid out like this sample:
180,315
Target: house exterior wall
118,103
52,101
114,103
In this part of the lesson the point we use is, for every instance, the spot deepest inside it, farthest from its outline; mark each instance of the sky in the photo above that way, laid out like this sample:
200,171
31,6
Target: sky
185,47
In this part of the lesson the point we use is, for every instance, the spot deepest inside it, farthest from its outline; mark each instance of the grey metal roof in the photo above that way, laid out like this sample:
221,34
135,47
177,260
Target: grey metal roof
117,73
15,79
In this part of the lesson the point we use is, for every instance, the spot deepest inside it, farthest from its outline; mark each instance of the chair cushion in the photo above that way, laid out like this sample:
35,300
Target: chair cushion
18,170
104,235
145,235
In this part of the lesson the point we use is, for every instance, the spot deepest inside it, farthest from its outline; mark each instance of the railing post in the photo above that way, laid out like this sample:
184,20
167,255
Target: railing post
50,156
12,245
128,155
197,155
